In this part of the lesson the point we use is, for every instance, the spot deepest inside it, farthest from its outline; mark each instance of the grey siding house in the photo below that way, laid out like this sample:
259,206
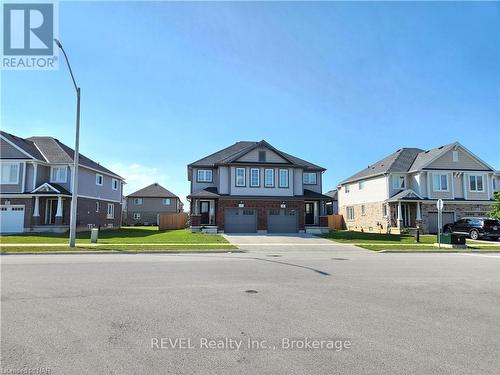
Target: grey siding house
252,187
36,187
145,205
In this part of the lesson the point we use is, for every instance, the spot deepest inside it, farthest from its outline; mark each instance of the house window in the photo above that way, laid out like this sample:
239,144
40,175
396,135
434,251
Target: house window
111,211
269,178
476,183
166,201
137,216
97,207
384,209
240,177
204,175
114,184
398,182
455,156
254,177
283,180
10,173
137,201
440,182
350,213
58,174
363,210
347,189
99,179
361,185
262,156
309,178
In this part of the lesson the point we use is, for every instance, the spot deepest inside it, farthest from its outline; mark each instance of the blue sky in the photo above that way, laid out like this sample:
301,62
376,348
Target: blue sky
339,84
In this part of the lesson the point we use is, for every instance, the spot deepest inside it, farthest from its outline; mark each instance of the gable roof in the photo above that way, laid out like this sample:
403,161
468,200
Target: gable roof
232,153
153,191
51,150
399,161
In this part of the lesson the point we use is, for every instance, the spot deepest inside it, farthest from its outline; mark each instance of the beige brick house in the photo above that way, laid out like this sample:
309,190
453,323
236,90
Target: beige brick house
400,191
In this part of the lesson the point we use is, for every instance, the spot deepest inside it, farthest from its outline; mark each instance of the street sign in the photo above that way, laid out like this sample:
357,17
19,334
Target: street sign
439,204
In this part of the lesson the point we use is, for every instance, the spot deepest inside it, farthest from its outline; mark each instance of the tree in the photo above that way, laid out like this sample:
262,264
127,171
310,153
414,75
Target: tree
495,209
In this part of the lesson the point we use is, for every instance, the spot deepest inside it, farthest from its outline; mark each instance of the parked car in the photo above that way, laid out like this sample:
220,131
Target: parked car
475,227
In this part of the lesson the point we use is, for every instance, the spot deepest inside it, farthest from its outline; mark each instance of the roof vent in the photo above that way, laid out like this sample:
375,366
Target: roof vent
427,151
439,148
156,183
398,150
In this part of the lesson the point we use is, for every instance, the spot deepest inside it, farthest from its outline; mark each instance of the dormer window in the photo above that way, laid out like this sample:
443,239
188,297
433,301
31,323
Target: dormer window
262,156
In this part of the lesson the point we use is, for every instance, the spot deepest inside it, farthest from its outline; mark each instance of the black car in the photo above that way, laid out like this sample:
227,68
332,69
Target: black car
475,227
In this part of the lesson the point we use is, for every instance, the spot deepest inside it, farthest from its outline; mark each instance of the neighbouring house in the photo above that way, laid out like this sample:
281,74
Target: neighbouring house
36,187
253,187
332,208
145,205
400,192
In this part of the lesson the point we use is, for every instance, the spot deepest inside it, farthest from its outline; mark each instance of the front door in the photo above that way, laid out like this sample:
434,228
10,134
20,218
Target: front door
405,212
50,213
309,209
205,212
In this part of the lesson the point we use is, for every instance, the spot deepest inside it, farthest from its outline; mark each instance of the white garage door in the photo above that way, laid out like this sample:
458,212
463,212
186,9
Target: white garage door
11,219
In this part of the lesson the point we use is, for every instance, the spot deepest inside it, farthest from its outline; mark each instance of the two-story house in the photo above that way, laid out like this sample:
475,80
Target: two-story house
253,187
400,191
145,205
36,187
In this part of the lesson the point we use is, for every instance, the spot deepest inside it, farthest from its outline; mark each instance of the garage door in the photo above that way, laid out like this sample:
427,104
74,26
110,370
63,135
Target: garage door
11,219
240,220
282,220
448,217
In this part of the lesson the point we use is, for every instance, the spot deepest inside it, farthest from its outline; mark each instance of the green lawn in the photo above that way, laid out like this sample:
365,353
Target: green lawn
346,236
139,235
382,241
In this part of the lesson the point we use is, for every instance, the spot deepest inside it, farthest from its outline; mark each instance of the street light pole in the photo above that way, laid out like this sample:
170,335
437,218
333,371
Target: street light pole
76,156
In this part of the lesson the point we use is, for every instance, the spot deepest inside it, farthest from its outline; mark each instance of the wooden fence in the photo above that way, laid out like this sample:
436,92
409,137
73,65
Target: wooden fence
336,222
173,221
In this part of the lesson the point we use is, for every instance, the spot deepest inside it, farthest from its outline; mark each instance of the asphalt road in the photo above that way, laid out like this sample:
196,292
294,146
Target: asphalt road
376,313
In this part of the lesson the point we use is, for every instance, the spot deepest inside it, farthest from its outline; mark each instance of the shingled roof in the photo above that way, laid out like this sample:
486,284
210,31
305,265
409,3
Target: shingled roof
51,150
232,153
153,191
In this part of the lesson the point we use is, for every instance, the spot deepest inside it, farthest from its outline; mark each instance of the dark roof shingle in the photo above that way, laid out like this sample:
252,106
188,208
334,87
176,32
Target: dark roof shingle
153,191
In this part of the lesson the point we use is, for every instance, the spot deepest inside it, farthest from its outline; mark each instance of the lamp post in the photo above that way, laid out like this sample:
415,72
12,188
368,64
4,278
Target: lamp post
76,156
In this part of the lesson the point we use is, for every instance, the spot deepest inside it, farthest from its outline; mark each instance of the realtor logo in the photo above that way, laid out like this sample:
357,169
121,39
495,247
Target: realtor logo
29,30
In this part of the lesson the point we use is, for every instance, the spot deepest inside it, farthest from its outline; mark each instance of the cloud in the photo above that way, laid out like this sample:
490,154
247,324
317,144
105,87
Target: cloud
138,176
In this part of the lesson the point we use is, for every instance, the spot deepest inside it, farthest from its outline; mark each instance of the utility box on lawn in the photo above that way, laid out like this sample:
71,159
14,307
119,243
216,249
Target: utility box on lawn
94,234
452,239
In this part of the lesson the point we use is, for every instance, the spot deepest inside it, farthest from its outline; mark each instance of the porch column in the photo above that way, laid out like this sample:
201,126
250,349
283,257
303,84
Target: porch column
316,213
419,215
59,211
36,211
400,217
211,212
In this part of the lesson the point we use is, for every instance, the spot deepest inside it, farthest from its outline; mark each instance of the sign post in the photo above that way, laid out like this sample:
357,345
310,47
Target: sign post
439,205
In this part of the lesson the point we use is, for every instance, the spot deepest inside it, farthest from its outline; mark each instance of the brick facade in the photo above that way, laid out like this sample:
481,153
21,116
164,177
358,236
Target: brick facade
87,215
262,208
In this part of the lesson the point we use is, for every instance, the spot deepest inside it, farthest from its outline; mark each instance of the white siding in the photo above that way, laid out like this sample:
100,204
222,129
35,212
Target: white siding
374,190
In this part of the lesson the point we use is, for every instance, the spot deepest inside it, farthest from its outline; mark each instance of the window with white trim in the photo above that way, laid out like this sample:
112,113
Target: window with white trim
283,178
137,216
350,213
269,177
255,177
384,210
363,210
10,173
99,179
347,189
204,175
114,184
166,201
476,183
398,182
440,182
240,177
361,185
137,201
309,178
111,211
97,207
59,174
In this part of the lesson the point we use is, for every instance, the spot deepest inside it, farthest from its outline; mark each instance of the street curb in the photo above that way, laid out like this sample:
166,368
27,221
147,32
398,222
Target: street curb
98,252
440,251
